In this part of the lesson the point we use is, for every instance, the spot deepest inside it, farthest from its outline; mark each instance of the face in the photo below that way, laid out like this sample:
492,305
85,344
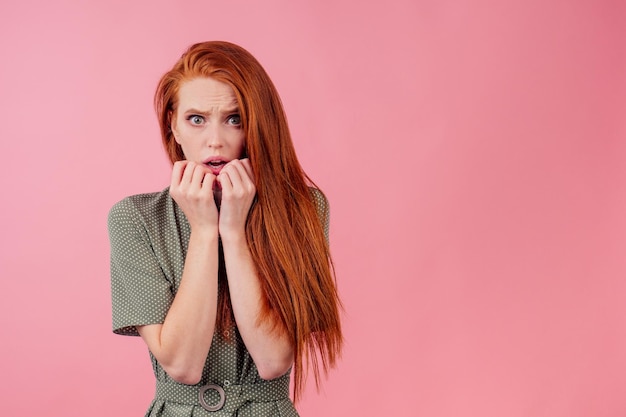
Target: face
207,124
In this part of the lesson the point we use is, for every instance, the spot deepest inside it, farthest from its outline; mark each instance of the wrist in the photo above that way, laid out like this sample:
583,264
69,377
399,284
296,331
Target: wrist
204,232
233,236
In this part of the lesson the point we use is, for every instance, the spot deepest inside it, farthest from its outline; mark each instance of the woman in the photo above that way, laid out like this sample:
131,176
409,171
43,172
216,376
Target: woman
226,274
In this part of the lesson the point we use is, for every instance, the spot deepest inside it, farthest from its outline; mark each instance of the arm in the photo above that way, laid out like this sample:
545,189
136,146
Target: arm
181,344
267,343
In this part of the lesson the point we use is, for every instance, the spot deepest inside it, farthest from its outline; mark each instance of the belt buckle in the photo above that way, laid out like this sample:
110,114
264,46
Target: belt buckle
203,402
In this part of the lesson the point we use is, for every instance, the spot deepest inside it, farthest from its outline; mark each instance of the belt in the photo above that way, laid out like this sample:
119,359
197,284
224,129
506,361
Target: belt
213,397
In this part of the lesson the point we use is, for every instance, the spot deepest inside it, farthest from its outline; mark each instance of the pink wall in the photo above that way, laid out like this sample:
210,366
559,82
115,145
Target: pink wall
473,152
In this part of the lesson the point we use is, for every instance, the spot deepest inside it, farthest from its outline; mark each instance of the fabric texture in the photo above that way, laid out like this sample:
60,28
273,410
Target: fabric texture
149,236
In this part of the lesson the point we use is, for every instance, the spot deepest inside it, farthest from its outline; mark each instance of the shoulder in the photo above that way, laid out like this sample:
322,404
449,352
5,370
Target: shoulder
318,196
320,200
139,207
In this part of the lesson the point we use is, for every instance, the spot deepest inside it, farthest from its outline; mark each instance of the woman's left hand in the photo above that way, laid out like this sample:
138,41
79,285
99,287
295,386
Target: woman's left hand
238,191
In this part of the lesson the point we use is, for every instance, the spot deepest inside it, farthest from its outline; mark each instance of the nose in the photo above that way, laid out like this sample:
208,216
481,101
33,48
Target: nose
214,137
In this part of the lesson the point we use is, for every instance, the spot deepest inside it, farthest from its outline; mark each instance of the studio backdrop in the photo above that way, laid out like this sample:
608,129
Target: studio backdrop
474,156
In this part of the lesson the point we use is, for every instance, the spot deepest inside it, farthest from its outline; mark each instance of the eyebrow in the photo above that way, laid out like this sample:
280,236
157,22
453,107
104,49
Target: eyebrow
233,109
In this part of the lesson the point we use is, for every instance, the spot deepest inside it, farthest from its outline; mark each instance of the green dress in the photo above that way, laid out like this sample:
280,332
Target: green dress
149,236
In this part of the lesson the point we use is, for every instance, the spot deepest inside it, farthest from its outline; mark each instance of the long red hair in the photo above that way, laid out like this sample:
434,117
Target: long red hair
284,231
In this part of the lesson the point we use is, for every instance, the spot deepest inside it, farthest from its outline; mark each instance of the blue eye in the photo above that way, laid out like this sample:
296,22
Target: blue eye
195,119
234,120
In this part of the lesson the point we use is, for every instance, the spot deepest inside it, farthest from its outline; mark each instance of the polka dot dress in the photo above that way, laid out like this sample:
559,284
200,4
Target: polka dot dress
149,237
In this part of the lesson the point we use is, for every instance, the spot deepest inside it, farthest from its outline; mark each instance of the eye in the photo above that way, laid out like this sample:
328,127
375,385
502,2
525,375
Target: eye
196,119
234,120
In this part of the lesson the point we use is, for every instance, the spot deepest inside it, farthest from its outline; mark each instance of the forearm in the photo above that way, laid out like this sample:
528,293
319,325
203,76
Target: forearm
267,343
181,344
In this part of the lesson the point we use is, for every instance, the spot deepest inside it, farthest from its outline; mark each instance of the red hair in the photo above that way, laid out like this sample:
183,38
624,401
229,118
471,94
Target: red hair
284,232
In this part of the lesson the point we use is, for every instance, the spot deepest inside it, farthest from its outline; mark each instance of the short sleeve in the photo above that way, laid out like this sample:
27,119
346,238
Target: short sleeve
323,209
140,291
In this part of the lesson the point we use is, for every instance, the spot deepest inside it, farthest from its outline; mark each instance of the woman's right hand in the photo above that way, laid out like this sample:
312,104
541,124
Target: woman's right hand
192,188
182,341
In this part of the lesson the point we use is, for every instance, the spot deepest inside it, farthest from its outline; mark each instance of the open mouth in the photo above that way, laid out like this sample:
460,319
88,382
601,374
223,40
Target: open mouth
215,165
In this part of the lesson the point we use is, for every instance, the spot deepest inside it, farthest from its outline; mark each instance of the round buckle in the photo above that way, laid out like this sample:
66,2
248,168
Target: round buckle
219,404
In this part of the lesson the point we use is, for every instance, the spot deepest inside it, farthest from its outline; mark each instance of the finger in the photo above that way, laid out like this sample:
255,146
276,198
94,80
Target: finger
248,167
234,175
188,173
177,172
239,172
208,180
244,169
225,181
241,177
197,176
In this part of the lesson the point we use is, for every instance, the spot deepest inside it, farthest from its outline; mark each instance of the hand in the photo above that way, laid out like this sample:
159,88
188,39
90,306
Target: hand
238,191
192,188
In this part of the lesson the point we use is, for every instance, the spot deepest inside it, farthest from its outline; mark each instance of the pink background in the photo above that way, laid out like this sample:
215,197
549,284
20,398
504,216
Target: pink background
473,153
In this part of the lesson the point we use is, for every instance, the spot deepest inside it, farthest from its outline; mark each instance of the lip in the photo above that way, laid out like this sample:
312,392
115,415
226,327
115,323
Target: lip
215,169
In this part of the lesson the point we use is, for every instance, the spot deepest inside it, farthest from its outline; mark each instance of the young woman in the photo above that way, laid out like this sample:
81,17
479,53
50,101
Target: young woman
226,274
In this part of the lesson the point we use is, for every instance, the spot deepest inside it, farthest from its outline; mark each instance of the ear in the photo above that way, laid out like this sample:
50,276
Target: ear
173,127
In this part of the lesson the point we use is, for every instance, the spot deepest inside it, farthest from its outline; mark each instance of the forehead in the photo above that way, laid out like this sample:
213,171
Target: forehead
206,93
